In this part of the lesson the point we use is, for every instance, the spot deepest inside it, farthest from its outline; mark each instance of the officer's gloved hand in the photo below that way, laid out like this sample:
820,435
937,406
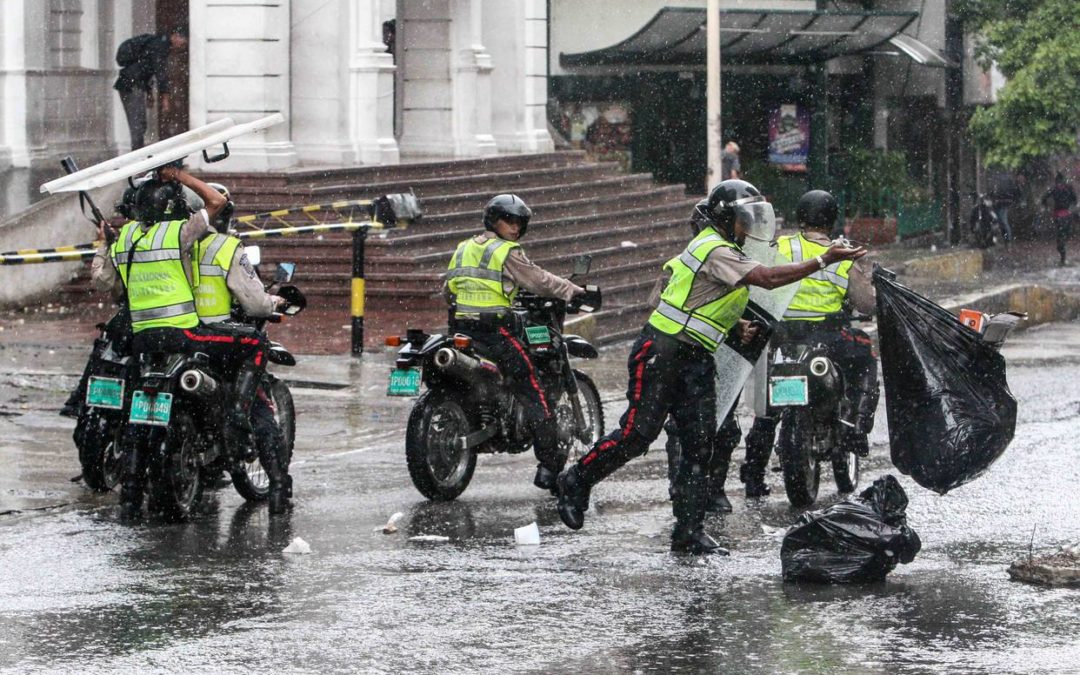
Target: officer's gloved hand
589,301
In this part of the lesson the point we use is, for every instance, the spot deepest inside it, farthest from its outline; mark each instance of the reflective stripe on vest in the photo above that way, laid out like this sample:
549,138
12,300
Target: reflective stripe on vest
475,277
150,265
213,300
823,292
709,323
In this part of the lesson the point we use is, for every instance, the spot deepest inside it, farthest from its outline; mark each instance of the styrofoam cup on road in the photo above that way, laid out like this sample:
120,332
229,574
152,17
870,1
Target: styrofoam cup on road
528,535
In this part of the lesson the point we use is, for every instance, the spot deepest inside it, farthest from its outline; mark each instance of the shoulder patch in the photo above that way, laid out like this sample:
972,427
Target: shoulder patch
245,265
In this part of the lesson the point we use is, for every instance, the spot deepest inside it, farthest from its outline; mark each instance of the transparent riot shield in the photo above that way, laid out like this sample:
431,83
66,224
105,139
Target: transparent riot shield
736,362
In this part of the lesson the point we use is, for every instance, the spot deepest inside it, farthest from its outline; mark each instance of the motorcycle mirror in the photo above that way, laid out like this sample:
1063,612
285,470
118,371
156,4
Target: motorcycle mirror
284,272
582,263
295,302
254,255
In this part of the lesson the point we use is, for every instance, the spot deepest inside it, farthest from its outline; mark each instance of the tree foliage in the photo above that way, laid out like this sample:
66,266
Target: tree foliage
1036,45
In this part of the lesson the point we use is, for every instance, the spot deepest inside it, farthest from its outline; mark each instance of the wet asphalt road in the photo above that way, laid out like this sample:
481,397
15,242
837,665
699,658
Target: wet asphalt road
80,592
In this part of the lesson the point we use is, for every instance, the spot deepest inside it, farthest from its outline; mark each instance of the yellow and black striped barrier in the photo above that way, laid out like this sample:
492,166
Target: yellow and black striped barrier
369,209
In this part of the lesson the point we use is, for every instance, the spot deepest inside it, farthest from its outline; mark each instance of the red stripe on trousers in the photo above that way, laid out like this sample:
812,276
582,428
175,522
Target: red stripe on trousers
638,383
532,373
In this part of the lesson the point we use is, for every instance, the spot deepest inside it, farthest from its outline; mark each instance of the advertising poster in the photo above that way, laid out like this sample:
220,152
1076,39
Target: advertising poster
789,137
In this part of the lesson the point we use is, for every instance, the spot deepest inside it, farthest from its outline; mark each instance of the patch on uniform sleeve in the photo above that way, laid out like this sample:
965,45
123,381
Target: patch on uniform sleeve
245,265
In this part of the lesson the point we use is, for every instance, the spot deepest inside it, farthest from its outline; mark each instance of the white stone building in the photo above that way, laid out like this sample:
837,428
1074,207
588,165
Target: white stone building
469,80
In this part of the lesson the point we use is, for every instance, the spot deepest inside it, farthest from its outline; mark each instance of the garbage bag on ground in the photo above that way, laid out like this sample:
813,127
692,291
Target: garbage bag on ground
950,411
858,540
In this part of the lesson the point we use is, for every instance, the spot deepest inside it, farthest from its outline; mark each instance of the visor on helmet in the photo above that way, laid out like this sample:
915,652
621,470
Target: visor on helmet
757,216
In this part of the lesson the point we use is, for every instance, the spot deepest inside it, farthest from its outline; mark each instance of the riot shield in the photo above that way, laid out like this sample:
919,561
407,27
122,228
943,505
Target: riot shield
735,362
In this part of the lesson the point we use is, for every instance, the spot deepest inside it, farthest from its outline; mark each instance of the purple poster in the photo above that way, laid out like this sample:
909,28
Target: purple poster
789,136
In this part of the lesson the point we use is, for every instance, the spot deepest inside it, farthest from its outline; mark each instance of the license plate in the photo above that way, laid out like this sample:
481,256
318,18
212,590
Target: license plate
788,391
538,335
105,392
404,382
150,409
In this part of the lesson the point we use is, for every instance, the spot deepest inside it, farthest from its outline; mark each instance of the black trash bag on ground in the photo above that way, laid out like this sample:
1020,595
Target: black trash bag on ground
859,540
950,411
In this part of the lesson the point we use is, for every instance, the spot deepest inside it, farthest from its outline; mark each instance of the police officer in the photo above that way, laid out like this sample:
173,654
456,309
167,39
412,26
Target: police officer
485,274
225,275
671,364
817,308
151,261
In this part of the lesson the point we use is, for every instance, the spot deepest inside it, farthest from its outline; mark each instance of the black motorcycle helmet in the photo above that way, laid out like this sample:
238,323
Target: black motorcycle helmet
223,221
507,207
720,206
157,201
698,220
817,210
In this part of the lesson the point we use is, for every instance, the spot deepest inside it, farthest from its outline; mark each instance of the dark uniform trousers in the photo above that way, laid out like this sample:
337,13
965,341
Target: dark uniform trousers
667,376
500,345
852,352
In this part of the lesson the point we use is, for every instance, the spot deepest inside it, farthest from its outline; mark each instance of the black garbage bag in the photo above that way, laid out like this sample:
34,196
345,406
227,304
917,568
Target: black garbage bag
949,407
855,541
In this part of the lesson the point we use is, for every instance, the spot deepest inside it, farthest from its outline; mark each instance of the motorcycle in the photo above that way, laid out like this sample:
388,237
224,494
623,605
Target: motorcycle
100,423
983,223
186,397
467,409
817,409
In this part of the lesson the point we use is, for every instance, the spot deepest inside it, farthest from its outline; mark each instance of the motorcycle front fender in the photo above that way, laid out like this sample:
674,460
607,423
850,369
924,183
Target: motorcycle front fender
580,347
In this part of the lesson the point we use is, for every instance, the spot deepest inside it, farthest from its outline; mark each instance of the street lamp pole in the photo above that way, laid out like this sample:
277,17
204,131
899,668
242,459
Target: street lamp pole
712,93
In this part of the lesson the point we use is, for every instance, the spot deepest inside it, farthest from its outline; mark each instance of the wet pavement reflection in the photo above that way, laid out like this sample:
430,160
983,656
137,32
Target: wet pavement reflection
81,592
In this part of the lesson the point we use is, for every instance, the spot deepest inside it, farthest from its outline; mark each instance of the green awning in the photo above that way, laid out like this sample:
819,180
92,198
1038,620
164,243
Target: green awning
676,36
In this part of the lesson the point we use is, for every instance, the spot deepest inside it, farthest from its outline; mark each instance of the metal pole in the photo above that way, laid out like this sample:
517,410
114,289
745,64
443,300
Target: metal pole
358,239
712,94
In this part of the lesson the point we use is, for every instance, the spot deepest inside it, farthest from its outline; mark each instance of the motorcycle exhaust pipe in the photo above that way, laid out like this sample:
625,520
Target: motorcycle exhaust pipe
465,367
198,383
819,366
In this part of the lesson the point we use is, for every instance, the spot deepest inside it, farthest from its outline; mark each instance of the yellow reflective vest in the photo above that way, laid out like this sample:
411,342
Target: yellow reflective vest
823,292
475,277
158,291
214,253
710,323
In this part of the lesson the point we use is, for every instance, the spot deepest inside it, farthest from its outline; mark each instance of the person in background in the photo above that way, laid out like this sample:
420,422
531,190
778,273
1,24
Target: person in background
729,162
143,60
1060,199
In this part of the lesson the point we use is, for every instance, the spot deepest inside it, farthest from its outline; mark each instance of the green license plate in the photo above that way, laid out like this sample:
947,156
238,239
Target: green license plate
788,391
538,335
404,382
105,392
148,409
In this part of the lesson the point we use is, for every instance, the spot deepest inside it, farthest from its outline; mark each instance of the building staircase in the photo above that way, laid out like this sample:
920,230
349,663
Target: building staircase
628,223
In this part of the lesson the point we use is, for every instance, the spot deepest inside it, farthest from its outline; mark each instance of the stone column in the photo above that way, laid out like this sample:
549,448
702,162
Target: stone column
240,69
370,110
471,76
515,33
446,75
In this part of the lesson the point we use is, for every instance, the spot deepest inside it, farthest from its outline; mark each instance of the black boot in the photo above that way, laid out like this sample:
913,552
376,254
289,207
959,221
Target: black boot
545,478
688,505
280,491
131,501
573,494
718,501
754,479
695,541
238,433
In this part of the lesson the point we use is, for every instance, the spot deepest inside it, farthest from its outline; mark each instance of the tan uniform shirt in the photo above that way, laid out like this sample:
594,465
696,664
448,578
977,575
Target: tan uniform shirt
519,271
246,288
860,291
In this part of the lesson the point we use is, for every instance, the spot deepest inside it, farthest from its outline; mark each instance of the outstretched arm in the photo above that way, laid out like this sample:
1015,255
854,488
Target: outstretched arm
782,275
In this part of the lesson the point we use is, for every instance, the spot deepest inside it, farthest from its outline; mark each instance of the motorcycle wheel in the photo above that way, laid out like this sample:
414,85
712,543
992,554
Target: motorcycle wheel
97,437
175,484
845,466
572,445
438,470
250,480
802,472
